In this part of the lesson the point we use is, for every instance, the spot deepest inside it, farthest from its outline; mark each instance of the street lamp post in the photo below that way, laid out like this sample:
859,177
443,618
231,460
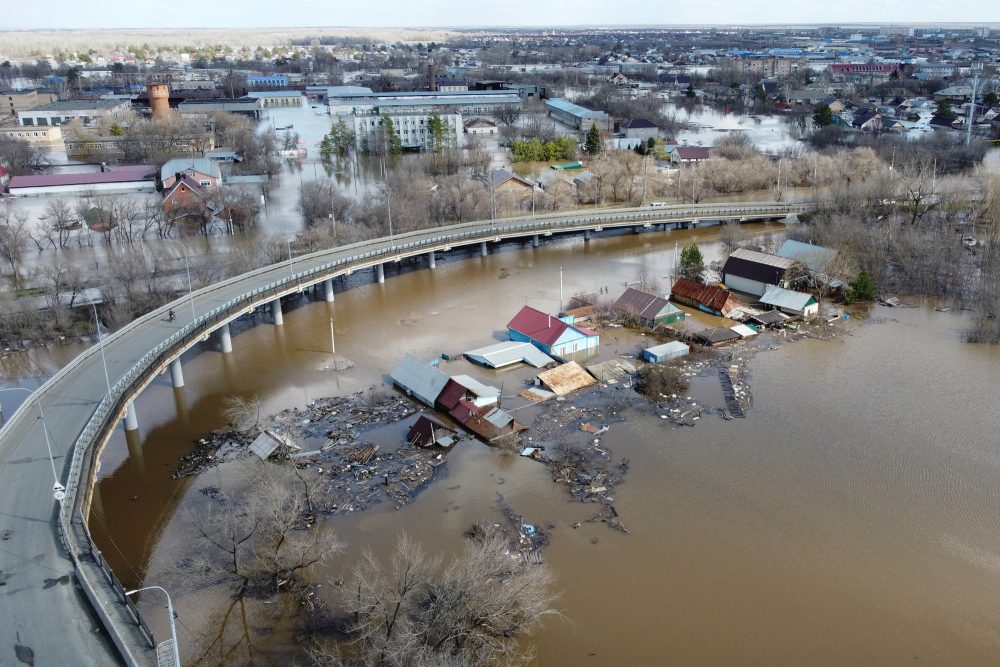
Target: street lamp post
100,342
187,269
170,645
58,490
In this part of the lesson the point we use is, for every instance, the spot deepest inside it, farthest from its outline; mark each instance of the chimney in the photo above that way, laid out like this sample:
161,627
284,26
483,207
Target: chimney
432,83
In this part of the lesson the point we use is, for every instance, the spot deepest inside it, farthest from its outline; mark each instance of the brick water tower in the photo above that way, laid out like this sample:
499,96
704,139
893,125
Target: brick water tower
159,99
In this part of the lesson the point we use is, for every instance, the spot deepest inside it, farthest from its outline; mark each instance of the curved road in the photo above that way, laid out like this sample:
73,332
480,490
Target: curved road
59,606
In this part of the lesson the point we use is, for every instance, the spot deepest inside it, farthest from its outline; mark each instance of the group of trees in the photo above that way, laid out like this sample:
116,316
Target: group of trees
560,148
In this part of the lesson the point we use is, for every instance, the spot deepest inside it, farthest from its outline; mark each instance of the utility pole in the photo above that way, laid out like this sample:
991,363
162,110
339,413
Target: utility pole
976,69
560,289
333,345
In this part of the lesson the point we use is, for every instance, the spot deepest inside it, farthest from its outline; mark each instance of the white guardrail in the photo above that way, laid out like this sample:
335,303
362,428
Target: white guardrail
341,260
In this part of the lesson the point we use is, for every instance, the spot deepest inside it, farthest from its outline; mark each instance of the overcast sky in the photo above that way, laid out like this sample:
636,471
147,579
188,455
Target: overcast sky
446,13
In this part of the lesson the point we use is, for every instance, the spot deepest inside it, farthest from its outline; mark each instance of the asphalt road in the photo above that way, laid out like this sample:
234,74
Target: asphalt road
47,620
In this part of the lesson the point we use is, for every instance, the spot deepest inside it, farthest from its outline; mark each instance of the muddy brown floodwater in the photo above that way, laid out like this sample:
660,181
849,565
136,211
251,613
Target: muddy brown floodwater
853,516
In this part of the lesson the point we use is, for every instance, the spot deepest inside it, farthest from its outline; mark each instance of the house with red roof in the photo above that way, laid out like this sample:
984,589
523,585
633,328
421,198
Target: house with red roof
550,334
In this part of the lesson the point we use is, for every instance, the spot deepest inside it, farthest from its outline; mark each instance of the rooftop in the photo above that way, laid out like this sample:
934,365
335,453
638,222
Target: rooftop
79,105
786,298
762,258
542,327
574,109
131,173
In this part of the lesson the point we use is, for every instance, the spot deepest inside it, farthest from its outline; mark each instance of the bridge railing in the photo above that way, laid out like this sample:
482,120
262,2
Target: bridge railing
76,535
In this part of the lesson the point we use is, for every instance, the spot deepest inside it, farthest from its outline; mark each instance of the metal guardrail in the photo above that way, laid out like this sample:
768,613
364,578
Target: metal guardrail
75,533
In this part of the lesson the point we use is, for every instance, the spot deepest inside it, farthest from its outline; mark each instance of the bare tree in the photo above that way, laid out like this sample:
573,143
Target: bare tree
506,115
243,412
13,237
263,539
474,611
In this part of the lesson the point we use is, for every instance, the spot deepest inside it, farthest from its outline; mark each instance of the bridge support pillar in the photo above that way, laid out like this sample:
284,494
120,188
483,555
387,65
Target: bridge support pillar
328,289
483,251
176,374
586,235
276,313
131,421
380,273
535,241
225,338
431,260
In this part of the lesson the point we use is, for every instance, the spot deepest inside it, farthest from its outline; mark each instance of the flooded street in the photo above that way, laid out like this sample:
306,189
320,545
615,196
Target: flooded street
851,517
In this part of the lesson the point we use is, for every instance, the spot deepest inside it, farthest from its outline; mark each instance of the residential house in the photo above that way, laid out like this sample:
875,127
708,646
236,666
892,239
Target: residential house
716,336
555,184
419,379
689,155
711,299
550,334
618,79
429,432
639,128
504,179
185,196
507,353
204,172
752,272
477,126
650,310
790,302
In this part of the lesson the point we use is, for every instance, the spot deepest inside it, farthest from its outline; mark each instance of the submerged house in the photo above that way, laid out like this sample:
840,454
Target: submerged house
550,334
752,272
429,432
649,309
708,298
419,379
790,302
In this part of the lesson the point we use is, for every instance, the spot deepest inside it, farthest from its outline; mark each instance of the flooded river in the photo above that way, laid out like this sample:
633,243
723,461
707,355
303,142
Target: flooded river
853,516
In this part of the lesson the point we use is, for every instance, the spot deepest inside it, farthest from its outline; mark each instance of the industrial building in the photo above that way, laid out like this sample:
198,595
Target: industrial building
752,272
358,99
33,135
412,127
278,98
14,102
245,106
61,113
132,178
577,117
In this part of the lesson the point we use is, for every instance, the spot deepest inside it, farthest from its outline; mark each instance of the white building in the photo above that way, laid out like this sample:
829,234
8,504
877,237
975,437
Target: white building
61,113
411,126
358,99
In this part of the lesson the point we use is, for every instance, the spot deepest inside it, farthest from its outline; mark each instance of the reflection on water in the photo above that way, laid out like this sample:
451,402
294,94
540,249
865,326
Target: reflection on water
852,517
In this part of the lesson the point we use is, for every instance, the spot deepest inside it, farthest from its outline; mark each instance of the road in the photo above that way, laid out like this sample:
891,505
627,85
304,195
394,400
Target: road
45,589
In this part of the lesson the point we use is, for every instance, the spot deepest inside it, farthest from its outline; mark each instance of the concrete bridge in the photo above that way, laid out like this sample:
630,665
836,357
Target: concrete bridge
63,604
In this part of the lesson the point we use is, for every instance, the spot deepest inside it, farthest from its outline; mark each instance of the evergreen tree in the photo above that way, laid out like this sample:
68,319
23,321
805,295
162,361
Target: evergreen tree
823,115
593,142
944,109
692,262
394,143
862,288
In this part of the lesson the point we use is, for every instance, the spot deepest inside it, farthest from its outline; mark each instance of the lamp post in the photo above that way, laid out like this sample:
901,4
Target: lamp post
187,269
100,342
291,271
170,645
58,490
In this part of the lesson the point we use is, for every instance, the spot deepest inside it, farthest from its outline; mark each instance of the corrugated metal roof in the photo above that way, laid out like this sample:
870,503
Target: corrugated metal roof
643,304
611,370
785,298
200,164
762,258
674,347
743,330
512,352
419,378
575,109
125,174
567,378
815,257
476,387
711,296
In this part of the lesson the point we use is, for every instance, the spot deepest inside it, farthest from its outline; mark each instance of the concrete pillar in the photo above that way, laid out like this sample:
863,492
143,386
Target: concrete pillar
432,262
135,455
483,251
131,421
276,313
535,242
225,338
180,405
586,235
328,289
176,374
380,270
